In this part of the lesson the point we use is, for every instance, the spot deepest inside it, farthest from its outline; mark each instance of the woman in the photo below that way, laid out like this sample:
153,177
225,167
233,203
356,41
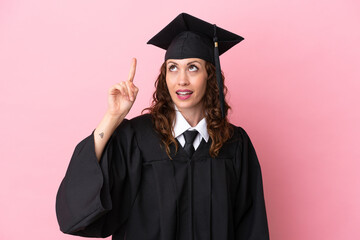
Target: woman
180,172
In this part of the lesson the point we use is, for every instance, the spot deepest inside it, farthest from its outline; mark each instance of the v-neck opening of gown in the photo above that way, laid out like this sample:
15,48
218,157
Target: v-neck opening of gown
202,144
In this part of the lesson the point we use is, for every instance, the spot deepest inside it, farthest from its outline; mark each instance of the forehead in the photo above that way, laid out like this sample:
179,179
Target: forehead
186,61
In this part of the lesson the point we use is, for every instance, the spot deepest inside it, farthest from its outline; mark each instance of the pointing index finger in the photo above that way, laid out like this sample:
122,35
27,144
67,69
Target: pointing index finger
132,70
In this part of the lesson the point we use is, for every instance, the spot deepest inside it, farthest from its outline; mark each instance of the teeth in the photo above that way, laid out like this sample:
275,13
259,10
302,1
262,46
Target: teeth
183,93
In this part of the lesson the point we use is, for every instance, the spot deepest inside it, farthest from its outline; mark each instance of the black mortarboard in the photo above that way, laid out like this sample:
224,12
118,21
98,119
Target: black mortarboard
190,37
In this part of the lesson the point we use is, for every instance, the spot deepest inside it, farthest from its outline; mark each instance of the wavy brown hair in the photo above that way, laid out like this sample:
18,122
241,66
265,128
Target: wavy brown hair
163,112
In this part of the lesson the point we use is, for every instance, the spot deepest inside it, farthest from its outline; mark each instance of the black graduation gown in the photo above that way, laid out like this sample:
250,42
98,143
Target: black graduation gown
136,192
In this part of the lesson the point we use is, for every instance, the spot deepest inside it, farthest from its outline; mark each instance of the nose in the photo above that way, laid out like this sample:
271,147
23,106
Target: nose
183,79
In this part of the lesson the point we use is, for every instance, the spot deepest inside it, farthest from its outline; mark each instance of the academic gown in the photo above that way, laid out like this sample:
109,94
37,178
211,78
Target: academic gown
136,192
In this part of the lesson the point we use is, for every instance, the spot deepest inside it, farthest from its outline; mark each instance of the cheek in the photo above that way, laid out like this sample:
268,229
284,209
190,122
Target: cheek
168,85
202,86
169,82
170,88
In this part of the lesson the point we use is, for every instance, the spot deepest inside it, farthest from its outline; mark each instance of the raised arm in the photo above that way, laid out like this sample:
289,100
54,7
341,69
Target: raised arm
95,197
120,100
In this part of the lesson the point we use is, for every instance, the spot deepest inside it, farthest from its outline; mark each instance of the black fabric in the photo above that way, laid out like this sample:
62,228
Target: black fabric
136,192
189,139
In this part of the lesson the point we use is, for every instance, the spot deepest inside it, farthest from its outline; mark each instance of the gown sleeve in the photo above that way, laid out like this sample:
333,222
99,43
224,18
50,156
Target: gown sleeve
250,214
94,198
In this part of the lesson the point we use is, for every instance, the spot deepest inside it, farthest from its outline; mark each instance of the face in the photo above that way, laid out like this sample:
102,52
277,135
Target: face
186,81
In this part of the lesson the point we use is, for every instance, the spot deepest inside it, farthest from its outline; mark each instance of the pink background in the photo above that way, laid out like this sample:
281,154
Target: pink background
294,86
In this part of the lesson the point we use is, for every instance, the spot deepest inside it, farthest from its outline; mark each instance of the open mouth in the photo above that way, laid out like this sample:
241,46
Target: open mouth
183,93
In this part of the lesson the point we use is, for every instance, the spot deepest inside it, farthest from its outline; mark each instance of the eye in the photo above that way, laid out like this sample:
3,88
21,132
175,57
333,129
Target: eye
193,68
172,68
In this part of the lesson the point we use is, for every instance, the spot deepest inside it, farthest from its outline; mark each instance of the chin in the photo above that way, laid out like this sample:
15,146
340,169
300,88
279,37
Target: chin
188,106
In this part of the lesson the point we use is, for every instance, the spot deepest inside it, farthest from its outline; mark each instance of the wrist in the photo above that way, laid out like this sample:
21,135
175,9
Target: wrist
114,119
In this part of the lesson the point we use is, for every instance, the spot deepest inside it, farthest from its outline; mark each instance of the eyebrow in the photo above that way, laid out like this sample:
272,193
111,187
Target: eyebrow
195,61
172,63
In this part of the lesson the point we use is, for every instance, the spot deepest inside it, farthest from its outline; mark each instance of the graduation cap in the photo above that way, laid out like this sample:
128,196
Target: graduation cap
190,37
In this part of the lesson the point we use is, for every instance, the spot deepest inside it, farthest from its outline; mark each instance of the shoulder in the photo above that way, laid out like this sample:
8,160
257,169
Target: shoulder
245,145
141,121
239,140
142,127
142,124
239,134
138,123
140,131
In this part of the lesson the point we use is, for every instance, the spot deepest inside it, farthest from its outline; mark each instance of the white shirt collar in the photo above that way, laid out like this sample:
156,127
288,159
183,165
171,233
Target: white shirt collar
181,125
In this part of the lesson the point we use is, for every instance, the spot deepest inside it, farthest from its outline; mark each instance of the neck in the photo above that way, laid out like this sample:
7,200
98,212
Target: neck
193,118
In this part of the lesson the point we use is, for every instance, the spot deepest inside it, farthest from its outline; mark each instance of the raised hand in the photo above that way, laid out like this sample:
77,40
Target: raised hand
122,95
